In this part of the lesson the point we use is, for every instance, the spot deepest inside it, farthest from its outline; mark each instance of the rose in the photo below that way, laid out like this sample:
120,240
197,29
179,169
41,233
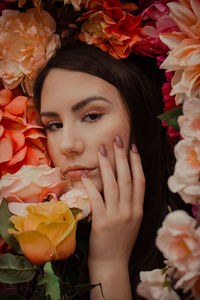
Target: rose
47,232
179,241
32,184
79,199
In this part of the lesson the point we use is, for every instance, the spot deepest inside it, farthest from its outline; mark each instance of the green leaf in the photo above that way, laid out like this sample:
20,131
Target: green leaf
171,117
16,269
5,224
51,281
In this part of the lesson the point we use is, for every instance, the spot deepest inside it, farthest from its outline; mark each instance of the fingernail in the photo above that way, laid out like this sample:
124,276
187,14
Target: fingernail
103,150
84,174
119,141
134,148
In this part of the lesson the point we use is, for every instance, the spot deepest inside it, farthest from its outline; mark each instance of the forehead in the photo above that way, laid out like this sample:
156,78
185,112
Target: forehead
67,85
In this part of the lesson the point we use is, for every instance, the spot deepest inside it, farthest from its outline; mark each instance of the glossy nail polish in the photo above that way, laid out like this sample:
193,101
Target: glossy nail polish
134,148
103,150
119,141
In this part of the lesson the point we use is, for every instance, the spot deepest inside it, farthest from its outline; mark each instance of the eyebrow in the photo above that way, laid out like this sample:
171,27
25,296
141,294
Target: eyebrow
77,106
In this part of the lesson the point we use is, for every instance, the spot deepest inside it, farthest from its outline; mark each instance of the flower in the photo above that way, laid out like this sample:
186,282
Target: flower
48,232
20,142
154,286
184,50
79,199
27,41
179,241
190,281
190,121
36,3
185,180
33,184
111,27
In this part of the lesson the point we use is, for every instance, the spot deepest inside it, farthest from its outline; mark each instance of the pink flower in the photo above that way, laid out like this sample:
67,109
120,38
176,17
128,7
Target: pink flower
153,287
179,241
27,41
32,184
184,48
79,199
190,121
190,281
185,180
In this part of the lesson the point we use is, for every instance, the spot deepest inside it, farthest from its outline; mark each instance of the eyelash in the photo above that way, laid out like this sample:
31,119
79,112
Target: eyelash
56,125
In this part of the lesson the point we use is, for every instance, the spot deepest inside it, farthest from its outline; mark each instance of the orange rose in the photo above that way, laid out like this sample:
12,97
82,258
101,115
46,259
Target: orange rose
20,142
111,26
48,232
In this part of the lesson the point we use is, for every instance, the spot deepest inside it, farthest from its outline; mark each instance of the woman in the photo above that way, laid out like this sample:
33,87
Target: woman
100,119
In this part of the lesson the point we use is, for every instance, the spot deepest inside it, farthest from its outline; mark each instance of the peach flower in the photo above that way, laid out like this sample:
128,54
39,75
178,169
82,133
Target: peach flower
20,143
155,286
179,241
185,180
47,232
190,281
111,26
32,184
190,121
27,41
184,48
79,199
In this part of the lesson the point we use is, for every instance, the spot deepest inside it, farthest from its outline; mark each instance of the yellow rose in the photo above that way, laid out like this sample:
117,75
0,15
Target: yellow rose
47,232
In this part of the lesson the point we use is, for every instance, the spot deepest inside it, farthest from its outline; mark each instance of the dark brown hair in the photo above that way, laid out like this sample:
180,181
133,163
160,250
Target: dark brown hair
139,82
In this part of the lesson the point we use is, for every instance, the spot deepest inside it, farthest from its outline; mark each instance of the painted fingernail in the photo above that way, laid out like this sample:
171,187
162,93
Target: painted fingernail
84,174
103,150
119,141
134,148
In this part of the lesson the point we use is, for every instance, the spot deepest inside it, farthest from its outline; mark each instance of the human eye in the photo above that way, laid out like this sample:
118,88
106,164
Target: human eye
53,126
92,117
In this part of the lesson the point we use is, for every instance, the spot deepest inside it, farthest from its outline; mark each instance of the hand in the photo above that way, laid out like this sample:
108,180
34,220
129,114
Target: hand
116,218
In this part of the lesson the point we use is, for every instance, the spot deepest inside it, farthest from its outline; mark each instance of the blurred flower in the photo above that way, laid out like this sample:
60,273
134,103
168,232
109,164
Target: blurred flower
36,3
79,199
156,20
179,241
185,180
32,184
184,50
155,286
76,3
47,232
20,143
111,27
190,121
190,281
27,41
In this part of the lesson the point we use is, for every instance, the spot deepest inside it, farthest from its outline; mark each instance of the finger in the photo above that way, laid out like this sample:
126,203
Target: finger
138,181
97,203
108,178
124,179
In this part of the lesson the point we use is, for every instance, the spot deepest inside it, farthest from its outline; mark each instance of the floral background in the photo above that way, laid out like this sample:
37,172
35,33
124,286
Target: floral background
169,31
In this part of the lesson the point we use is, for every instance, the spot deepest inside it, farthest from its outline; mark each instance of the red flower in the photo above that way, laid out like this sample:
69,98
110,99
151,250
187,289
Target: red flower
111,26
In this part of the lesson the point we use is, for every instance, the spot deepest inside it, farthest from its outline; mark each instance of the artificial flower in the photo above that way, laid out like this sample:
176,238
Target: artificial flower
179,241
48,232
27,41
185,179
155,286
77,198
184,50
33,184
111,27
20,142
190,121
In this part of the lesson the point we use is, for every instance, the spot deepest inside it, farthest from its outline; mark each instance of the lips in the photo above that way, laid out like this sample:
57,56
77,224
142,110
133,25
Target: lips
77,171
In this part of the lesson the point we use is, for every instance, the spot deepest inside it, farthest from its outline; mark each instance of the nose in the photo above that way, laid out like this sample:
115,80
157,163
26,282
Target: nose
71,141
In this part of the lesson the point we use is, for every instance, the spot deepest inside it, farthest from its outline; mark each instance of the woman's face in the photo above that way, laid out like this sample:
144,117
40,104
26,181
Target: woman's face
81,112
